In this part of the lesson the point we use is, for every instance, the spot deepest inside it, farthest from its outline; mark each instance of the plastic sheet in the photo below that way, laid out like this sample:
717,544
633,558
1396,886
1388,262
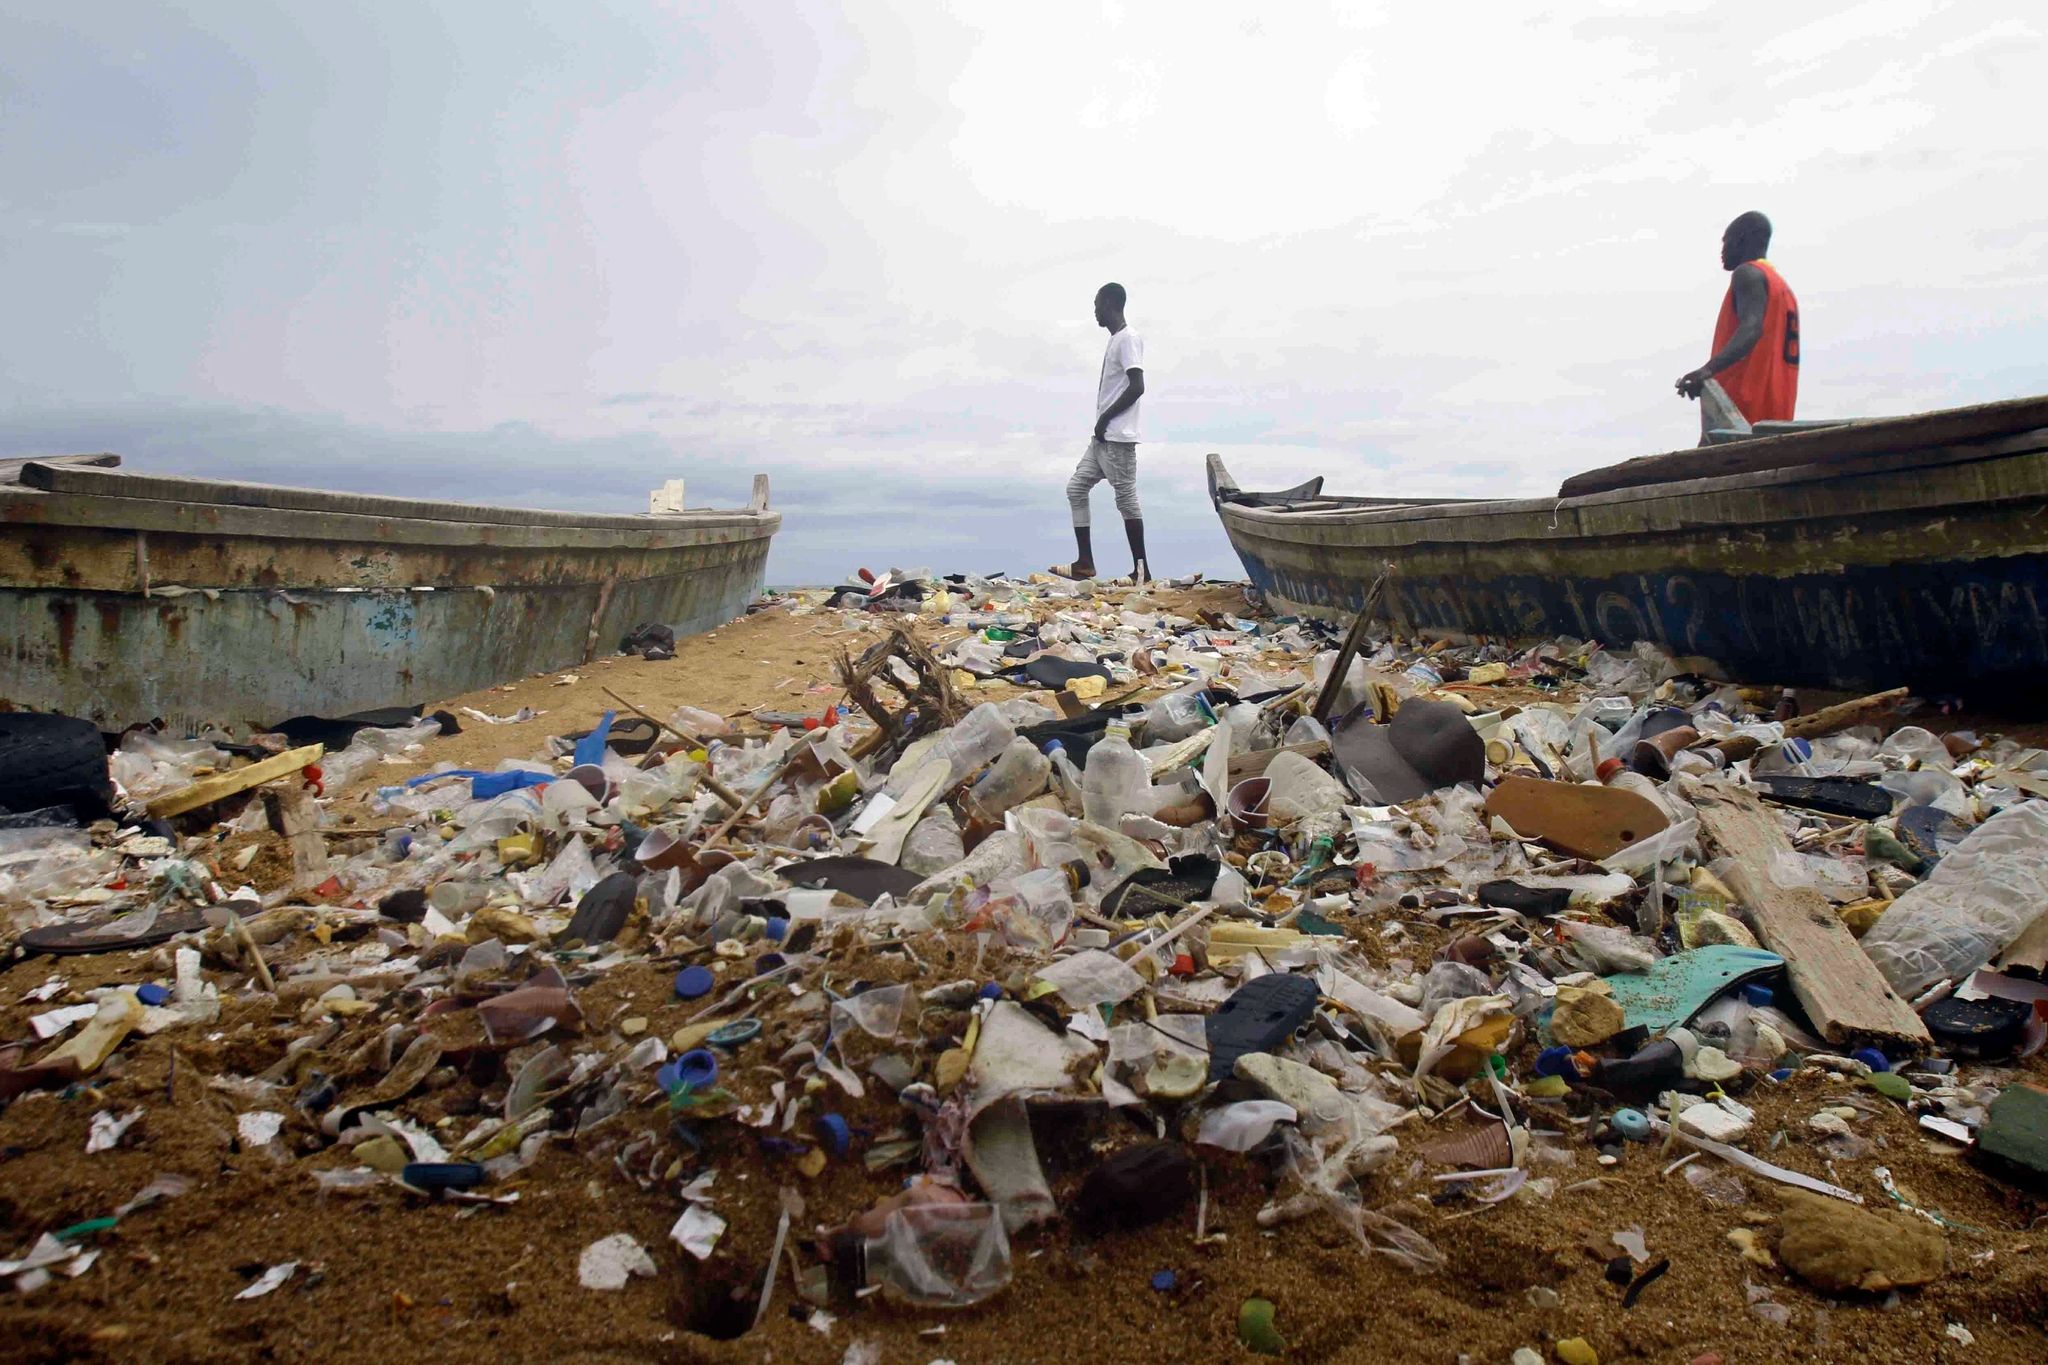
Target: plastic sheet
1975,902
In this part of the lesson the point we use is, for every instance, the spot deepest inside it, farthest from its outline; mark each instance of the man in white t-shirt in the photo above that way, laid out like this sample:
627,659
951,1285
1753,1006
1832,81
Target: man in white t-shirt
1113,453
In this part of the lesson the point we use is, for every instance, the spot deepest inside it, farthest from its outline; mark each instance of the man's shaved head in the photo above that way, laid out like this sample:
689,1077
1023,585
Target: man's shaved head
1748,238
1109,305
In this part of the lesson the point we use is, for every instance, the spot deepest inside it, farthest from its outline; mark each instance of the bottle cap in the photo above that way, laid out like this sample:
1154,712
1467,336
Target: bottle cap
692,982
1608,769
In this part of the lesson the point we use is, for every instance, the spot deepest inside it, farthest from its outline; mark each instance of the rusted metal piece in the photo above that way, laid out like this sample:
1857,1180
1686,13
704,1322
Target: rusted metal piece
243,603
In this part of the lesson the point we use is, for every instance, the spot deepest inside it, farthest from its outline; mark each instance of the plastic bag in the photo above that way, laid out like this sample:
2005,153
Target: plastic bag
1978,900
940,1255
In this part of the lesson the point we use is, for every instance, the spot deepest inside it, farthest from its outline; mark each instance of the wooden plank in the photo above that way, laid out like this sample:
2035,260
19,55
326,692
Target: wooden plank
1826,721
207,790
1828,445
1255,763
1354,639
1841,989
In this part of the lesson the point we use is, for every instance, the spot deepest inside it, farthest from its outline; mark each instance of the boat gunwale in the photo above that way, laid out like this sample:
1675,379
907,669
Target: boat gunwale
1268,518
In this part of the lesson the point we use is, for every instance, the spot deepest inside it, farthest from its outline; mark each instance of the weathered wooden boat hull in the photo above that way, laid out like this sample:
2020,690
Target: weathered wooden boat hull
1926,567
126,598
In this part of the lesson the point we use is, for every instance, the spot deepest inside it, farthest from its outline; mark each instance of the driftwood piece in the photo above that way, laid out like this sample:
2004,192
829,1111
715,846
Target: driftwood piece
1354,640
1826,721
1841,989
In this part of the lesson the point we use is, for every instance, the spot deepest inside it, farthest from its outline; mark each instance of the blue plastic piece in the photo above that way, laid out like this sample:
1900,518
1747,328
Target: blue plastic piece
485,786
834,1133
1632,1124
1872,1058
1756,993
697,1068
694,982
152,994
777,928
1165,1281
590,748
442,1175
737,1032
990,990
1783,1073
1556,1061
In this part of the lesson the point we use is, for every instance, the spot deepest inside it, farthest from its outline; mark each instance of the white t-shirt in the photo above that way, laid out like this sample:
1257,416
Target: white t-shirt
1126,352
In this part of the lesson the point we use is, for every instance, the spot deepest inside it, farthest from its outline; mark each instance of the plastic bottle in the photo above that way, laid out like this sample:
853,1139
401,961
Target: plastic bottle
975,740
1014,778
1067,778
1614,773
1175,716
1109,788
934,843
1988,889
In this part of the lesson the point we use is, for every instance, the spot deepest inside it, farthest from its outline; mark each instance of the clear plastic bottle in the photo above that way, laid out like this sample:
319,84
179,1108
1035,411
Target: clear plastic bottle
1109,788
1014,778
975,740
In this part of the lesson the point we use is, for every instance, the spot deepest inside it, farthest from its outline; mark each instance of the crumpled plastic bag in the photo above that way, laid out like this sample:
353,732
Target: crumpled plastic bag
1980,898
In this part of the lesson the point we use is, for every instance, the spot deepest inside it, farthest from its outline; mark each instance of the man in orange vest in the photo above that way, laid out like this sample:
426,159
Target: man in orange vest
1754,372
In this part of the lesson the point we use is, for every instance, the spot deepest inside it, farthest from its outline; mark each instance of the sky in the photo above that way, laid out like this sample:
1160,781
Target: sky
555,254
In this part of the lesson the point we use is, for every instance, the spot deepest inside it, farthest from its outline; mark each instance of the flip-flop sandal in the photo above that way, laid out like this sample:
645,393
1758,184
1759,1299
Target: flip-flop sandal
102,936
1067,571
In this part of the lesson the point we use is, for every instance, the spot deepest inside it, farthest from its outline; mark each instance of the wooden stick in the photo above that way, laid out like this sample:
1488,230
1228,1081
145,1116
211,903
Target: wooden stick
255,953
747,804
711,784
1352,642
220,786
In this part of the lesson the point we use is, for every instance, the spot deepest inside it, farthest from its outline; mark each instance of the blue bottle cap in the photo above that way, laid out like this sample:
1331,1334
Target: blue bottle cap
1756,993
1631,1124
1556,1061
694,982
152,994
1783,1073
1165,1281
442,1175
1872,1058
833,1132
991,990
737,1032
697,1068
777,928
1053,746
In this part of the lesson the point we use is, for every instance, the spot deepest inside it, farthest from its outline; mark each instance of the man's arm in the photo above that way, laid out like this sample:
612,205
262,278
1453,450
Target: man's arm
1752,296
1134,389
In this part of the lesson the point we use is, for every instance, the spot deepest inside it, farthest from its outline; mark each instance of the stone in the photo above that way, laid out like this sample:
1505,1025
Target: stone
1711,926
1524,1356
1586,1016
633,1027
1577,1351
2013,1142
1712,1064
1837,1247
1314,1096
1714,1122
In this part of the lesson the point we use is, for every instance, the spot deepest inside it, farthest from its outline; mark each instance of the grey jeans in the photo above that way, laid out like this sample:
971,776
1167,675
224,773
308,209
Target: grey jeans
1115,461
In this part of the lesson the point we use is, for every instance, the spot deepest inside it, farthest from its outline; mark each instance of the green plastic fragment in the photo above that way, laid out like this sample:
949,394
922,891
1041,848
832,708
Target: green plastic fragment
1891,1085
78,1232
1255,1328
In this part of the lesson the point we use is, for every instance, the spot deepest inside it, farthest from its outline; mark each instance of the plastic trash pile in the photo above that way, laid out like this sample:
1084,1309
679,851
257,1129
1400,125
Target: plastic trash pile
1067,906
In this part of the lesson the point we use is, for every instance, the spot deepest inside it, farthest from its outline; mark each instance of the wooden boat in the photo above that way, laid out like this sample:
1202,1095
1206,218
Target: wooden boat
128,597
1858,555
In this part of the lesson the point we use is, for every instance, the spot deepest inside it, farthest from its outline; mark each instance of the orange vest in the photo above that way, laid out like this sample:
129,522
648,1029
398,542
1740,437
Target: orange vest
1764,384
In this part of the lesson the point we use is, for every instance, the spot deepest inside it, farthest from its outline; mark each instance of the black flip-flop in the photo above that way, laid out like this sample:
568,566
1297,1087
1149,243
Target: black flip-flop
72,940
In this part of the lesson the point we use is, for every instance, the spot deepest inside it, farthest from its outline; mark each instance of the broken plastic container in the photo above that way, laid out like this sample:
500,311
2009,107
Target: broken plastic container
1978,900
940,1255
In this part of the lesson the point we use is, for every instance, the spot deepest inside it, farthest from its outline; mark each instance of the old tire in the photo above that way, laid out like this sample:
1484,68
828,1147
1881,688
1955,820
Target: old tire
53,761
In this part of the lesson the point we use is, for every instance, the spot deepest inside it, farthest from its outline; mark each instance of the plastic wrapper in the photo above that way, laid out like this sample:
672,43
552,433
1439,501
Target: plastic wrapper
934,843
1978,900
940,1255
1092,978
1605,949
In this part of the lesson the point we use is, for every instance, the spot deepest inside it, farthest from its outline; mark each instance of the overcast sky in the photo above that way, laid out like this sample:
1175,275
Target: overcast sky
554,254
